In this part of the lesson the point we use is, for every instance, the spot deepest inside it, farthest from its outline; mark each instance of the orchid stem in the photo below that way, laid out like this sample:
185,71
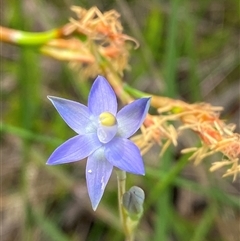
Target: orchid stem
121,179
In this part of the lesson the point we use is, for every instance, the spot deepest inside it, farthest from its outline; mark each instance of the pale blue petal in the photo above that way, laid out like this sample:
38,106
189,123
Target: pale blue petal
98,172
76,115
131,117
125,155
102,97
75,149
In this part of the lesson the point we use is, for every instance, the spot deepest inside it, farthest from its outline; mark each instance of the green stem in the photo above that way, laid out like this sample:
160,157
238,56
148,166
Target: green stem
121,179
28,38
134,92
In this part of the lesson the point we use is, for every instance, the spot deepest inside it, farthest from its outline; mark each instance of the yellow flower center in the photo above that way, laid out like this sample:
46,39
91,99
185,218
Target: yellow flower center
107,119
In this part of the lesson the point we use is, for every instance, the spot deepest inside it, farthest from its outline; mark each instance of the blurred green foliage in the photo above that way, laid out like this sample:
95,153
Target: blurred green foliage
183,43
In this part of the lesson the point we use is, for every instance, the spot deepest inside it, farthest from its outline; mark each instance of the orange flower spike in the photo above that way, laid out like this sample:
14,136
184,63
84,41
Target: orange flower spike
111,52
209,135
208,117
148,121
232,147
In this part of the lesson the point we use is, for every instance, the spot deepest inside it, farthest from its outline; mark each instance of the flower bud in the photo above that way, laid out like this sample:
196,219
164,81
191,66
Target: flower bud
133,202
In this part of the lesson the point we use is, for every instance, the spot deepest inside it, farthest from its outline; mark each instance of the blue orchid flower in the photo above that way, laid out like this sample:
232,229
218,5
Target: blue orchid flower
102,136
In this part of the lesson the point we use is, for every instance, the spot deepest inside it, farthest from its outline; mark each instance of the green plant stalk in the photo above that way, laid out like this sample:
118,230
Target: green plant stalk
170,71
206,223
23,72
24,38
28,38
128,231
28,77
163,202
134,92
28,72
190,51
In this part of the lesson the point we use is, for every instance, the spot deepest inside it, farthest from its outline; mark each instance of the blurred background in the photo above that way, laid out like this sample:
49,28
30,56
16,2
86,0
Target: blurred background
189,50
